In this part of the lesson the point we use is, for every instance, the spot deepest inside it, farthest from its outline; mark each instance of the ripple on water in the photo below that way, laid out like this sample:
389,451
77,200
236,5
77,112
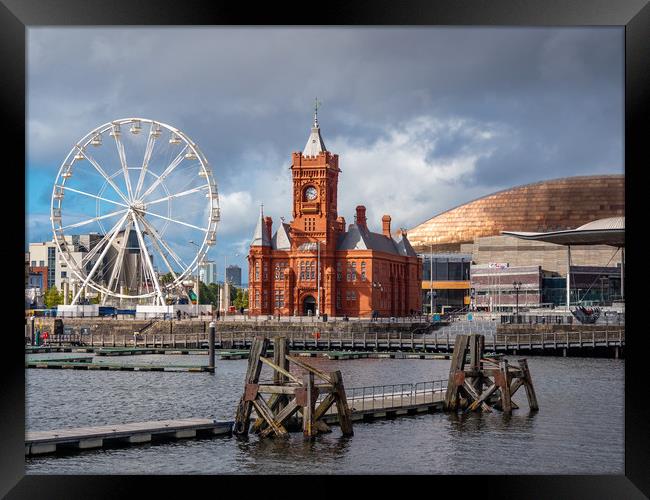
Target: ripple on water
578,430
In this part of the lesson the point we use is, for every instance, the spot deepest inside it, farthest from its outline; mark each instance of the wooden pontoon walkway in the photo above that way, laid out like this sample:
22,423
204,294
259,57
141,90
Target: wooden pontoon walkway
366,403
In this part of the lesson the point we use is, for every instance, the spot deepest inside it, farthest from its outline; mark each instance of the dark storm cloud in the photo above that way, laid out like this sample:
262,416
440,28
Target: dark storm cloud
542,103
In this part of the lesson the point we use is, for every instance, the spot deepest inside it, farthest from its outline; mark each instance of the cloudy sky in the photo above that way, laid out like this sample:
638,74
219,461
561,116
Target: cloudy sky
423,119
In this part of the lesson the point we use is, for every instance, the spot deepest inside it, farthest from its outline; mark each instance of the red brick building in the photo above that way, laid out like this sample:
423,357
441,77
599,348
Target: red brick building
360,271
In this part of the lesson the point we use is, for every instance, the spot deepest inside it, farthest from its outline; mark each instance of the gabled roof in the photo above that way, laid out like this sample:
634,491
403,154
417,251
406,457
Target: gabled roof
281,239
357,238
353,239
261,236
405,248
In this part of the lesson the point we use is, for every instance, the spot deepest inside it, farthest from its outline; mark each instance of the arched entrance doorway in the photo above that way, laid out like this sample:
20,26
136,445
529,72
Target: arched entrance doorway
309,304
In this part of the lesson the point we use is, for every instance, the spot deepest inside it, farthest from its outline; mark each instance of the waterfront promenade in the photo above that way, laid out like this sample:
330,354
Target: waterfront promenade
596,340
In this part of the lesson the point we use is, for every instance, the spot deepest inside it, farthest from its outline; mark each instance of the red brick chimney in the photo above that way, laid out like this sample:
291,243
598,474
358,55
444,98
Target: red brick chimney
269,224
385,225
360,219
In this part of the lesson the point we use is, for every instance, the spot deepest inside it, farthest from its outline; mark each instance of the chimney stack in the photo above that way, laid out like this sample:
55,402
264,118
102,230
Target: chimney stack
385,225
361,217
268,221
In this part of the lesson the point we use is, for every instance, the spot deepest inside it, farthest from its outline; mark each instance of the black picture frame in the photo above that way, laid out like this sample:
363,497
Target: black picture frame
634,15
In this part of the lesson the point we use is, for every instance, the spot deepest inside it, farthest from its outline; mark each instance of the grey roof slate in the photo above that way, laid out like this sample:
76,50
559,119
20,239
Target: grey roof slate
405,248
261,235
281,239
357,238
315,144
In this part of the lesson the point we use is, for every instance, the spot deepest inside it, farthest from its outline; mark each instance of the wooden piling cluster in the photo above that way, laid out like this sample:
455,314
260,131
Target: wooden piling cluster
465,388
288,394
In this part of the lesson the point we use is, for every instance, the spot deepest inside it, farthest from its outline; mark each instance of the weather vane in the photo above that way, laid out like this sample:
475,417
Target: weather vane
317,104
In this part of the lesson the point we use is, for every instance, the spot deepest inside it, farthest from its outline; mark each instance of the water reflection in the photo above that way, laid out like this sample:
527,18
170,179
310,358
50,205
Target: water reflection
557,439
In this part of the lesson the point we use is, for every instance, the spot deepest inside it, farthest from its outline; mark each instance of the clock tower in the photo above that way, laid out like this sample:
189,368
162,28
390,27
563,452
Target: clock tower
315,174
315,265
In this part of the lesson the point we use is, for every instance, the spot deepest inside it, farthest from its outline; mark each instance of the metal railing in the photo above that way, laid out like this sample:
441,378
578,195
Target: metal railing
392,396
236,317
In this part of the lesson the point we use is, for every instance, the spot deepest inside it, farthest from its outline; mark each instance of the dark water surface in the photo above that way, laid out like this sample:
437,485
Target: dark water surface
578,430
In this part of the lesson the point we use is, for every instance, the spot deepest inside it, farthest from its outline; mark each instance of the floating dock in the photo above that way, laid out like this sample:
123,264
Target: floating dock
89,365
366,404
84,438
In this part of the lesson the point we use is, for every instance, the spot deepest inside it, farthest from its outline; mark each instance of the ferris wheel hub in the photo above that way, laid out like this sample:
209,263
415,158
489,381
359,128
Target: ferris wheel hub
139,207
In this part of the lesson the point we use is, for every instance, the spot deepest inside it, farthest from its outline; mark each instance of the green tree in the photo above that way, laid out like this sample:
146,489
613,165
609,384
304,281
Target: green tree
214,289
233,294
241,299
53,297
206,295
165,279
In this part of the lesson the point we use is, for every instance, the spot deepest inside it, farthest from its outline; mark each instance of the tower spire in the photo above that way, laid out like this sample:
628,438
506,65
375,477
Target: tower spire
261,237
315,144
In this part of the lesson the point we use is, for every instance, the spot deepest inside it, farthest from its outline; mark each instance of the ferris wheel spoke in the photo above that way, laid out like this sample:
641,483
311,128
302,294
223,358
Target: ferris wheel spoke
90,255
68,188
205,230
156,238
170,168
101,171
177,195
117,266
145,162
94,219
125,168
145,255
100,258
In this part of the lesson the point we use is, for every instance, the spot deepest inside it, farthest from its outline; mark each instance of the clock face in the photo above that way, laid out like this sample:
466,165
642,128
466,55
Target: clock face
311,193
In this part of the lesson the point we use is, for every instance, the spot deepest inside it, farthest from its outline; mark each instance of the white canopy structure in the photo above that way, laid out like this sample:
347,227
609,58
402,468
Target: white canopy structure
610,231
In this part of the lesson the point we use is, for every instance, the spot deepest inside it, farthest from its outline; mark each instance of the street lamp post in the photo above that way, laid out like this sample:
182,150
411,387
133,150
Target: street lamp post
517,286
198,277
380,287
431,276
318,281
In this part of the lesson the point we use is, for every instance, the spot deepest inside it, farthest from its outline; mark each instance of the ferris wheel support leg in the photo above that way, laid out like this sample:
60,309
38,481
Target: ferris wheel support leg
157,241
143,250
100,259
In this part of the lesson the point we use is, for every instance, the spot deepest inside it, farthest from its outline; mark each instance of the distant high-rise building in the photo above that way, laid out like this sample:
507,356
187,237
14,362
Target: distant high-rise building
44,258
233,275
208,272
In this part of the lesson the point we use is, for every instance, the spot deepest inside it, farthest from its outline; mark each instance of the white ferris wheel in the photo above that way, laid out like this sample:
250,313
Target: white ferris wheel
141,190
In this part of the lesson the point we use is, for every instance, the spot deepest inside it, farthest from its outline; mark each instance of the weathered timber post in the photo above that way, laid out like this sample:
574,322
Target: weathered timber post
475,355
308,408
211,336
528,385
506,403
456,375
242,417
342,408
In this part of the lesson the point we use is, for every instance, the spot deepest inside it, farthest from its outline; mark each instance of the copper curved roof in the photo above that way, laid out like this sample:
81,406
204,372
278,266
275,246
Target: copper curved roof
552,205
